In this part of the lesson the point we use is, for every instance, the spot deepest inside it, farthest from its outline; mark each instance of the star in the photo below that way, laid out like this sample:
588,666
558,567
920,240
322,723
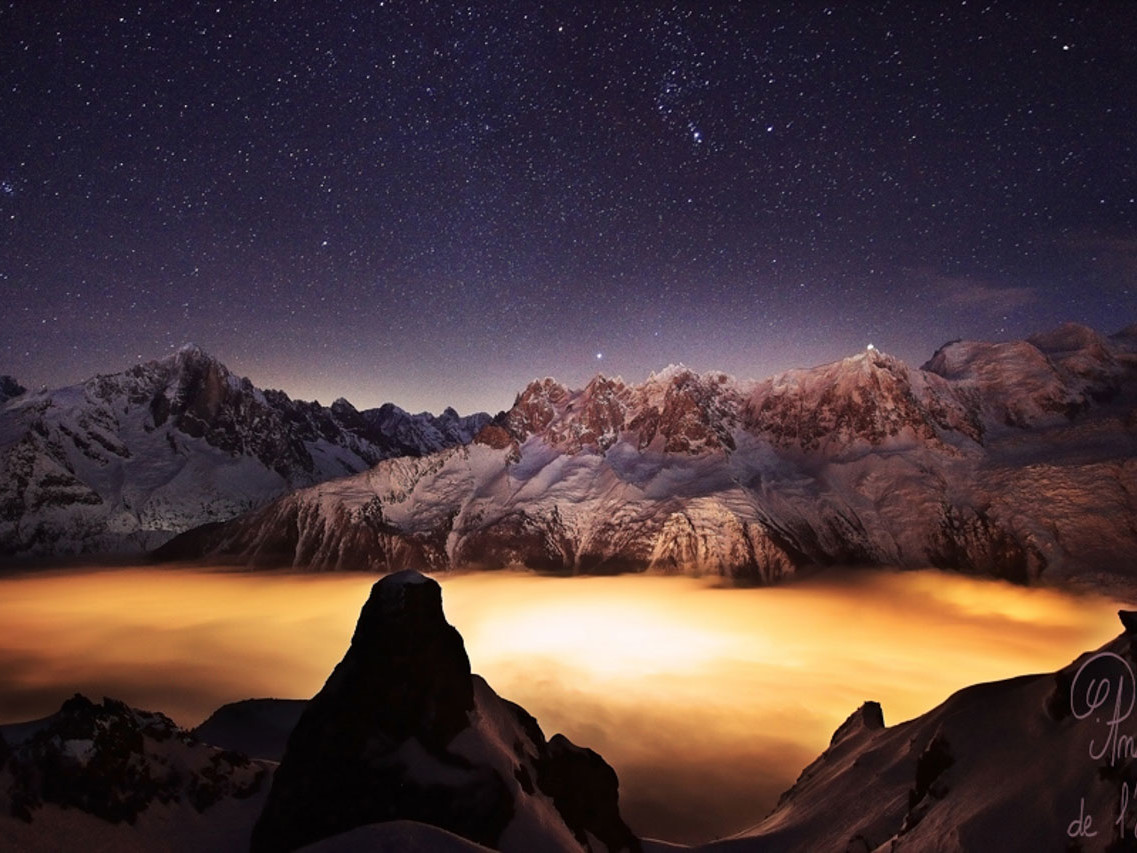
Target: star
653,167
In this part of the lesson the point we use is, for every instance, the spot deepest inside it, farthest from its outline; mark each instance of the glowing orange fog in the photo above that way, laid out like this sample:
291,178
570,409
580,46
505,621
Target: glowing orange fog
708,701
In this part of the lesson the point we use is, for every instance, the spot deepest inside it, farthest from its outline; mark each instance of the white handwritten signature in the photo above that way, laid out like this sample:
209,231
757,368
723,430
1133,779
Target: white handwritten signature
1109,681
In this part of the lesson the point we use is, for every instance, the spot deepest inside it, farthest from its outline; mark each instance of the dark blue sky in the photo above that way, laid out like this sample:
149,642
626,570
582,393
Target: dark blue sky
432,203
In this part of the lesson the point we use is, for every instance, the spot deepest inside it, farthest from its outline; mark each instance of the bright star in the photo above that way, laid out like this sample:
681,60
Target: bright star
599,356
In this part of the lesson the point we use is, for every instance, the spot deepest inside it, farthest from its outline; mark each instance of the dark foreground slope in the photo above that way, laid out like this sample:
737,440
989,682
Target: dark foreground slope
1024,764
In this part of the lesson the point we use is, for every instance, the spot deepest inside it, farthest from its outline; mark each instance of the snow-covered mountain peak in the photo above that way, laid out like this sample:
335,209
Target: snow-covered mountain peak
600,385
669,373
535,407
871,358
866,400
1052,376
676,410
191,350
192,359
124,461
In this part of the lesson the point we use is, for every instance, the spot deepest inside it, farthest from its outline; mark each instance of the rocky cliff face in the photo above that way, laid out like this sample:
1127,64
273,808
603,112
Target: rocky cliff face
1022,764
116,767
403,731
868,400
675,411
123,462
1015,460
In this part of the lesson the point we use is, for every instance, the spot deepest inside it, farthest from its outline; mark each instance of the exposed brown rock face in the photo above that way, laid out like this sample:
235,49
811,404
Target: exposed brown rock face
869,398
535,407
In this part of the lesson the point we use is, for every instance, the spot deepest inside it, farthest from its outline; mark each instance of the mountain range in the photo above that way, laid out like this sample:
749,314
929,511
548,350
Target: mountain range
122,462
1015,459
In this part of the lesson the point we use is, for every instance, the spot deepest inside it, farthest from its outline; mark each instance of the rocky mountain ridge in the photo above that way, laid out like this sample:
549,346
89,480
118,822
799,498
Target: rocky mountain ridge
122,462
107,776
1021,764
1012,459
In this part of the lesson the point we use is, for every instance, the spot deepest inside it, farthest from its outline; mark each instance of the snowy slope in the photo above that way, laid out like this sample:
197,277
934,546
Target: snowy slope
1017,460
1011,765
123,462
108,777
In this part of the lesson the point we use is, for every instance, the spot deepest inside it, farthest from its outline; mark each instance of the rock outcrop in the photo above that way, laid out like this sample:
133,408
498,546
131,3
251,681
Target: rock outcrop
116,765
403,731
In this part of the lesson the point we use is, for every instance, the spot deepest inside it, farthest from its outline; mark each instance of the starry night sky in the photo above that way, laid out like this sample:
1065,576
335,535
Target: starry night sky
433,203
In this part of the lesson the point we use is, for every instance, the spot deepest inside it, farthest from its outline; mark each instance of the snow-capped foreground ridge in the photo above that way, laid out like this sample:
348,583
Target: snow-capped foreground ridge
1021,764
123,462
1011,459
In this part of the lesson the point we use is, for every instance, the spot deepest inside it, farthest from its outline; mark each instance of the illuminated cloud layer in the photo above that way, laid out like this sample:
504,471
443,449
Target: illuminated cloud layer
707,701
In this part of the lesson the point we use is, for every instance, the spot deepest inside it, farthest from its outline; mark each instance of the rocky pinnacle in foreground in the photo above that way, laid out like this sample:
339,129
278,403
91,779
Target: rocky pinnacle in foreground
403,731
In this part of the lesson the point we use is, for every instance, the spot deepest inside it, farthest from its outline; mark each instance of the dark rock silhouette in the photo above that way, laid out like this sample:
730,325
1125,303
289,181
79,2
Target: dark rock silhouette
10,388
257,727
403,731
113,762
